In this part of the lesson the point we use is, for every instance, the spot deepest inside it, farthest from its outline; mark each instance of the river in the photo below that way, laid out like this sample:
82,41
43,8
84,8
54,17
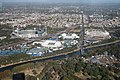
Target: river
42,60
52,58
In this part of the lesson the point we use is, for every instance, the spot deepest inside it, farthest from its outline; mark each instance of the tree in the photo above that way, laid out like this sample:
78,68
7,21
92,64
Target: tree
34,72
77,67
65,78
29,77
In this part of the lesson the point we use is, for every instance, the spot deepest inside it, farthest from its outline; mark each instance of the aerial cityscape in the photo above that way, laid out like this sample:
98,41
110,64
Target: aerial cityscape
60,40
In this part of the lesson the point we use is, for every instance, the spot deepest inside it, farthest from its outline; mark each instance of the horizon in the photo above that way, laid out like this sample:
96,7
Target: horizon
63,1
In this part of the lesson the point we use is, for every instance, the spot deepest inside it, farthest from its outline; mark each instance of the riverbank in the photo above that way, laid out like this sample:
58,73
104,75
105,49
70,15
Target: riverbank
57,55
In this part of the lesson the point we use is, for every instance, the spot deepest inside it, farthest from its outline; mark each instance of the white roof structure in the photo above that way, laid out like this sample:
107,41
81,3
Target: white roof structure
69,36
28,33
97,33
51,44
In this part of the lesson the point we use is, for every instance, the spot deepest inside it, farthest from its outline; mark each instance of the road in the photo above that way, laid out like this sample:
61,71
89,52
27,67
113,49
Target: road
99,45
32,60
14,44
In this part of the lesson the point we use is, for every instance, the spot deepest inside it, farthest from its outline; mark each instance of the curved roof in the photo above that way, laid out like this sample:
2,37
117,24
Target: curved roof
51,44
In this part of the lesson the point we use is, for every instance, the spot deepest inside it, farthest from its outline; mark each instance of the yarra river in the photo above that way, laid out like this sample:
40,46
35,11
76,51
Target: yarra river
58,57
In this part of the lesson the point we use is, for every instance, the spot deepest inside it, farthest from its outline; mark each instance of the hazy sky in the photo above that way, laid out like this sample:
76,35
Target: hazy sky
65,1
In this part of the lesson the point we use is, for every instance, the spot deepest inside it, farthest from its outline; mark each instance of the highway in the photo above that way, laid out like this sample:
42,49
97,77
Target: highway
100,45
56,55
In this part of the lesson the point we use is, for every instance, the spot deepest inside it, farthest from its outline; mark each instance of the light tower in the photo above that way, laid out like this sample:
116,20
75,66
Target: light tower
81,41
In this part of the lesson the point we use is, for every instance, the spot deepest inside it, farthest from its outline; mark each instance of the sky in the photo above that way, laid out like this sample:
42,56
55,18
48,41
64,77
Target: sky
65,1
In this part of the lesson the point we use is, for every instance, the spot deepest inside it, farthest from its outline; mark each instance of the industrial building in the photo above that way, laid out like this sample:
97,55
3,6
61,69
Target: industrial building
52,44
70,43
36,52
28,33
69,36
97,34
